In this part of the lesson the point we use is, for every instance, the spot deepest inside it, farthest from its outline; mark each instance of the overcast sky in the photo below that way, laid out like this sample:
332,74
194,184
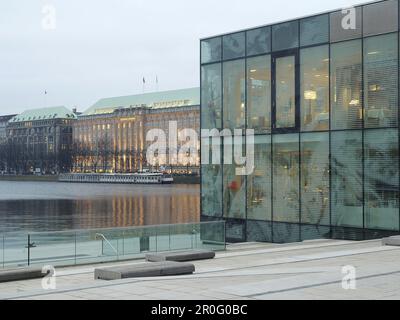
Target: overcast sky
104,48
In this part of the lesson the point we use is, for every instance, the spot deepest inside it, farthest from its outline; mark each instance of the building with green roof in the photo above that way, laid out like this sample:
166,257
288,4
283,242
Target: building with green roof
50,113
40,141
111,135
154,100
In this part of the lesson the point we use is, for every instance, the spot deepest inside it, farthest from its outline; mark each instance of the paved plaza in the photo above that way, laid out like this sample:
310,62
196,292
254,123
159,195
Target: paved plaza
310,270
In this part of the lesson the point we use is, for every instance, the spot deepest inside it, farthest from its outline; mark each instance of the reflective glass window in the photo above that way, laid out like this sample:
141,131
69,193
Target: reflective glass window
346,85
285,95
285,36
259,41
259,94
314,69
347,178
381,81
382,179
211,176
234,85
315,178
314,30
259,183
234,46
234,184
380,17
286,178
346,24
211,96
211,50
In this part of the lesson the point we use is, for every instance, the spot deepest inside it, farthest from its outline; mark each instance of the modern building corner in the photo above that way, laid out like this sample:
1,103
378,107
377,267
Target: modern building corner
322,98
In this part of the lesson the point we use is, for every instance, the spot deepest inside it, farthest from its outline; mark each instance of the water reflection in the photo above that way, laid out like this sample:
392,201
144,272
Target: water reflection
26,206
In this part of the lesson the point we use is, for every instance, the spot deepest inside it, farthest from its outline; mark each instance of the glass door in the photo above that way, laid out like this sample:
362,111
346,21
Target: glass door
285,90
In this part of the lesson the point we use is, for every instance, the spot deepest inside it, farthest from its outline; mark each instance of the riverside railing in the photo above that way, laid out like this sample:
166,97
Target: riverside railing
106,245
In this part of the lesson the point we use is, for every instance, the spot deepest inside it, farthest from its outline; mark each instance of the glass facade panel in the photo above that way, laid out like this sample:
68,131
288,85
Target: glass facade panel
259,94
234,45
286,178
259,41
235,230
285,36
211,181
347,178
286,232
259,231
259,183
314,70
315,178
211,50
234,191
211,96
380,18
381,81
346,85
382,179
285,92
234,94
346,25
314,30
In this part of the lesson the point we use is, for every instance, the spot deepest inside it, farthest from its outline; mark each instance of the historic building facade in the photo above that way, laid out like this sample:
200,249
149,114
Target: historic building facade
39,141
321,94
111,135
3,142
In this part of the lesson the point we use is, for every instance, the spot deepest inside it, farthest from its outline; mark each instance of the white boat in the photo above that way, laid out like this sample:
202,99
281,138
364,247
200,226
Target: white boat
129,178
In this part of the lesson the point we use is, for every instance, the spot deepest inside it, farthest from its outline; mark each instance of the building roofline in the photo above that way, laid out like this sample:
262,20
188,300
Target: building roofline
39,114
100,105
115,112
291,20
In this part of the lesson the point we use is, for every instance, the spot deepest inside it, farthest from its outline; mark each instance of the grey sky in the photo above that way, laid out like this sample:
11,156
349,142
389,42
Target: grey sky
103,48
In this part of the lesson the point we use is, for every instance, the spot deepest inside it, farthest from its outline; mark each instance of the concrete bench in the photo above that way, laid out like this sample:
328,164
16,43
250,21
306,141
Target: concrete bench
9,275
143,270
392,241
181,256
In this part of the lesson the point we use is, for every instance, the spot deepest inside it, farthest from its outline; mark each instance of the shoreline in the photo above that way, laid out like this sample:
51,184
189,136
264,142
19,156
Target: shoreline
32,178
29,178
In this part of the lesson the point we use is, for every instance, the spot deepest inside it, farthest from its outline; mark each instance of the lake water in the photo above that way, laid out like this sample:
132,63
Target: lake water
54,206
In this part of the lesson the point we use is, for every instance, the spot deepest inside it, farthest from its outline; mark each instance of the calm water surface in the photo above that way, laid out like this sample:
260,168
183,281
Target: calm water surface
54,206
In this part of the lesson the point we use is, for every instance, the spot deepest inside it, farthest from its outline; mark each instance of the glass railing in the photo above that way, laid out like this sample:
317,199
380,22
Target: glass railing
106,245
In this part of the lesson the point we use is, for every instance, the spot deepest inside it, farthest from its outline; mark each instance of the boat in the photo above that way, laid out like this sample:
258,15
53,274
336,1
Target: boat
120,178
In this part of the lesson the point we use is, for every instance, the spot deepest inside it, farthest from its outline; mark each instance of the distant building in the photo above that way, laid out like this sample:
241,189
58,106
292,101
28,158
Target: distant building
111,135
3,142
3,126
39,141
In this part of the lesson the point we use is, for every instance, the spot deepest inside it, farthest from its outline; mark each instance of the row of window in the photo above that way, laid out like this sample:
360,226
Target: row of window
369,20
345,178
345,85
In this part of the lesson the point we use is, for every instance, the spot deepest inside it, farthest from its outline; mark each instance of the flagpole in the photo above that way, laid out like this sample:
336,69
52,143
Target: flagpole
156,83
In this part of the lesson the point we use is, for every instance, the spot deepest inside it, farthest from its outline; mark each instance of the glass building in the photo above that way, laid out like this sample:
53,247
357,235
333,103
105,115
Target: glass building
321,94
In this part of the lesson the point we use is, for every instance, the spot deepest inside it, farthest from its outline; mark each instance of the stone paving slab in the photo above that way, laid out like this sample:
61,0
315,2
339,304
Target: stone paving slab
392,241
305,271
158,269
181,256
10,275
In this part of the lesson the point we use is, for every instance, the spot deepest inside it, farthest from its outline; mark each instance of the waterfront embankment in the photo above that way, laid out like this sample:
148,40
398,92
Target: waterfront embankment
30,178
53,178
